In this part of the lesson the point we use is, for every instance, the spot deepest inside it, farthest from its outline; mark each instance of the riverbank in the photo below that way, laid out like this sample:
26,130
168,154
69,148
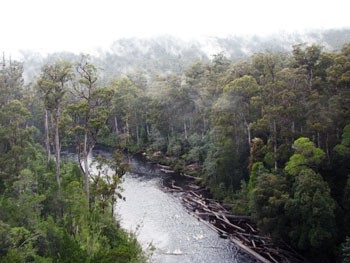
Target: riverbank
240,230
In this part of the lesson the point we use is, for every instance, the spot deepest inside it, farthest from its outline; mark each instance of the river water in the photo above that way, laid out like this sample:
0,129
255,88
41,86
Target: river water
160,220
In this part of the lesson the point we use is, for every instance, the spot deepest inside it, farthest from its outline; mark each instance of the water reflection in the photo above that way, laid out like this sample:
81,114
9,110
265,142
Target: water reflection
159,218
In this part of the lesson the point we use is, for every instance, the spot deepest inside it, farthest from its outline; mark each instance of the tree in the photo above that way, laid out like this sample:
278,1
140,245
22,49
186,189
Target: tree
53,87
240,93
311,207
338,87
107,181
267,65
89,112
15,138
268,197
306,156
127,110
257,170
311,212
306,58
26,195
11,80
291,99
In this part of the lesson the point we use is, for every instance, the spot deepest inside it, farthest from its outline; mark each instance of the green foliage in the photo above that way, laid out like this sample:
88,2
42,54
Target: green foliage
267,202
75,213
175,148
269,159
126,249
306,155
232,119
55,243
343,149
258,169
11,80
257,152
74,234
40,221
222,169
311,212
240,200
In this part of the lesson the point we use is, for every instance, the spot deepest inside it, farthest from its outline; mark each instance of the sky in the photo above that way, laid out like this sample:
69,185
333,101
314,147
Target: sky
83,25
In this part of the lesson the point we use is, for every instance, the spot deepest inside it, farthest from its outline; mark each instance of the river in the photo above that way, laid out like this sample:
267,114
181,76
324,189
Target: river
159,219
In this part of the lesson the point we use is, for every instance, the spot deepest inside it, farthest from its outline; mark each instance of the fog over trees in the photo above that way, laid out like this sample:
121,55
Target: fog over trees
264,122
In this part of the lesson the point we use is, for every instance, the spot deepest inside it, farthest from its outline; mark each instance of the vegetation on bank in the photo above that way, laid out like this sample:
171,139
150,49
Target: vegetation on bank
46,214
269,135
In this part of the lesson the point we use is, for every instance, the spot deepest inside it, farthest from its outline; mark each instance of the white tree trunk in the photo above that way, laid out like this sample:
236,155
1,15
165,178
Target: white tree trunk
249,133
116,124
86,169
275,143
47,136
57,148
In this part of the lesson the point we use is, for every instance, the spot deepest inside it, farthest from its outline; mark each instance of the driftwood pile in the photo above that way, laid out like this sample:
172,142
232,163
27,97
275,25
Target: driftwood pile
239,229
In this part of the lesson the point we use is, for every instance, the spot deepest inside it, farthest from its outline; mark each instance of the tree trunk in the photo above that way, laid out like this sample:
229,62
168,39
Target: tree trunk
249,134
310,78
127,130
327,147
137,129
204,129
293,130
86,169
57,148
275,143
185,130
147,129
116,124
137,135
47,136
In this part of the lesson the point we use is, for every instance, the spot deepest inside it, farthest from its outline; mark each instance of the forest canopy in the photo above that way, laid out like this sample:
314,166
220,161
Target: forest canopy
269,135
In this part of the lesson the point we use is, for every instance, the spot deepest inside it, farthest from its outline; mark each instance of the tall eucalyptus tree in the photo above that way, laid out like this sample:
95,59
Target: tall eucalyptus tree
53,85
89,110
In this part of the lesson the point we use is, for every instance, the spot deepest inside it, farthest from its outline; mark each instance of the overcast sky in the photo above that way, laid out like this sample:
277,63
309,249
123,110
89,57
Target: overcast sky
81,25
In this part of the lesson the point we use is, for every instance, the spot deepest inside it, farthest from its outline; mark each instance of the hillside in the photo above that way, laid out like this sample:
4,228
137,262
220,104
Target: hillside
169,54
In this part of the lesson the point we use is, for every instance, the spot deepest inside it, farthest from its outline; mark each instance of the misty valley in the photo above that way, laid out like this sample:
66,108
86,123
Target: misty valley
216,150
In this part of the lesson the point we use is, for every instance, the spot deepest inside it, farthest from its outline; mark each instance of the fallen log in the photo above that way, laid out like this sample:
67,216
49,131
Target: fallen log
213,227
256,236
166,167
191,177
175,186
194,187
251,228
199,202
253,243
272,258
195,194
167,171
239,229
249,250
232,225
234,217
170,190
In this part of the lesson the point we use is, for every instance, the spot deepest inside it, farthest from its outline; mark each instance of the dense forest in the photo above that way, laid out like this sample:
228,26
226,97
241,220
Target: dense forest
54,209
268,134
